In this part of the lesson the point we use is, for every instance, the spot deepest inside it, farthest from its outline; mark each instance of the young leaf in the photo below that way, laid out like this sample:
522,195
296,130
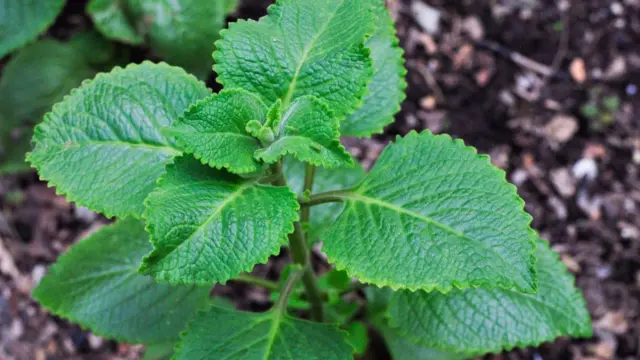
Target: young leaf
95,284
110,19
208,226
102,145
387,89
301,48
322,216
309,131
432,214
478,321
22,21
233,335
214,130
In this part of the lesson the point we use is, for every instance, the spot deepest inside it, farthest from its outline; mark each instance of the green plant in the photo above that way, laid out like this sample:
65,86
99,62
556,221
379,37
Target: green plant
207,186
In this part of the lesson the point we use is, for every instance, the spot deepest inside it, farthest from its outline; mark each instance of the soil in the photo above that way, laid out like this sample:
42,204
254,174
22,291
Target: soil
548,88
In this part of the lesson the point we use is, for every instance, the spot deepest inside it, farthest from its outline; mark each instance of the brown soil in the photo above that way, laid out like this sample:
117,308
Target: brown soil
463,80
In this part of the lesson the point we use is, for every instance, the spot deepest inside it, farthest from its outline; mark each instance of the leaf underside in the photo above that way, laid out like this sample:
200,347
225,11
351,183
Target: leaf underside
96,285
477,321
309,132
208,226
214,130
386,91
301,48
233,335
432,214
102,145
22,21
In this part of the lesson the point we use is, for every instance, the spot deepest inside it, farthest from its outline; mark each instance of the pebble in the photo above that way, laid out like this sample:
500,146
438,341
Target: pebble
561,128
585,168
616,8
427,17
563,182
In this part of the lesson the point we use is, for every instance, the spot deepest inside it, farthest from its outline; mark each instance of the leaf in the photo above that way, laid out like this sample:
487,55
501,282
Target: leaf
401,348
22,21
300,48
12,151
322,216
102,145
110,18
233,335
208,226
387,89
432,214
358,337
214,130
308,131
95,284
162,351
489,320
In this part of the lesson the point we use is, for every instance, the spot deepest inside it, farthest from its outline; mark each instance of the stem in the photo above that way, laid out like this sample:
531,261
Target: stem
309,176
254,280
287,289
300,254
326,197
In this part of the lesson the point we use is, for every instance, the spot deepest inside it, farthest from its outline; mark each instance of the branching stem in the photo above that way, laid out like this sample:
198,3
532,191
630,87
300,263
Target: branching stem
326,197
287,289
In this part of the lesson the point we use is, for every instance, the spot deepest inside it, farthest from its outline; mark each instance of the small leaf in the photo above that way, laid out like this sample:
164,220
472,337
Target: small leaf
208,226
102,145
110,19
387,89
22,21
322,216
432,214
301,48
479,321
233,335
401,348
95,284
214,130
162,351
358,337
309,131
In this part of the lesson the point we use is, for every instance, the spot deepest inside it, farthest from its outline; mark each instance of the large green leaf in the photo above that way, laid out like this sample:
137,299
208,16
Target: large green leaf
301,48
386,90
208,226
309,131
322,216
432,214
102,145
214,130
21,21
489,320
110,18
233,335
95,284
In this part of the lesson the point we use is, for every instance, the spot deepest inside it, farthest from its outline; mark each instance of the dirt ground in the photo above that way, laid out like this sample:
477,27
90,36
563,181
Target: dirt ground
548,88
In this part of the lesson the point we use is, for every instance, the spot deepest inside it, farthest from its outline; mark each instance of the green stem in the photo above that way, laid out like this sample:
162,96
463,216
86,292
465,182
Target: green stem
286,290
254,280
309,177
326,197
300,254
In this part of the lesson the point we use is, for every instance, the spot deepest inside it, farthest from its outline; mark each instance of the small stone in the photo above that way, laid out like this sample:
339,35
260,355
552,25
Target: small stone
559,208
616,8
85,214
427,17
585,168
613,322
95,342
563,182
428,102
571,264
578,70
38,273
473,26
561,128
519,177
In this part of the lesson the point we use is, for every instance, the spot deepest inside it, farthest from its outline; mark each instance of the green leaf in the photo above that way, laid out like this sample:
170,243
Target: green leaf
401,348
387,89
489,320
233,335
214,130
95,284
358,337
22,21
13,149
208,226
110,18
432,214
301,48
162,351
102,145
308,131
322,216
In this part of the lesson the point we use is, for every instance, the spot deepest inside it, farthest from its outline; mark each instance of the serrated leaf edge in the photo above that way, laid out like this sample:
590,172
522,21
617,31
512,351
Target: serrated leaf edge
455,284
70,197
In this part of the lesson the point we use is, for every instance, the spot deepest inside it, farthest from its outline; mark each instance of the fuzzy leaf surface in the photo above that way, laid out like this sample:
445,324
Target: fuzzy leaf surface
233,335
102,145
387,89
432,214
22,21
478,321
208,226
111,19
96,285
309,131
214,130
322,216
301,48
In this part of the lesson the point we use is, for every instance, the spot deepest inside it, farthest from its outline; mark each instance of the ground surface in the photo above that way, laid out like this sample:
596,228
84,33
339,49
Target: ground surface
567,133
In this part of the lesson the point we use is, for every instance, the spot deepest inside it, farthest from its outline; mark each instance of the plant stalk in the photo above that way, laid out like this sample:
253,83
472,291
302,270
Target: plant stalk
286,290
254,280
309,177
324,198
